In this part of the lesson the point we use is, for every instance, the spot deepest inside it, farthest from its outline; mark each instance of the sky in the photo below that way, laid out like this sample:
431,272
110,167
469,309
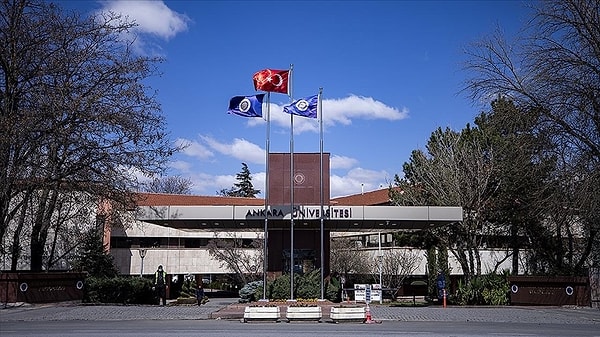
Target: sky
391,71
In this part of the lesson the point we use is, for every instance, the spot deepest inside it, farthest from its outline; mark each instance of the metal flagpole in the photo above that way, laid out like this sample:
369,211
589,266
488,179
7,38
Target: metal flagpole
320,113
291,187
266,233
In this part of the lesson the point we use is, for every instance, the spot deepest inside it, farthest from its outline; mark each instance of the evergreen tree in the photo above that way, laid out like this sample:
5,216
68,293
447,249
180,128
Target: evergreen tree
243,188
93,257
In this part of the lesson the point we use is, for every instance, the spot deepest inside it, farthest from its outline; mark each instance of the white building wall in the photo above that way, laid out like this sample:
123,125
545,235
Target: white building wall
198,261
174,260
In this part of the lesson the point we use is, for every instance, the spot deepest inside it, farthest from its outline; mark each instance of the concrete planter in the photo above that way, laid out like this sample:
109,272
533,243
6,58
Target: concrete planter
261,314
309,313
347,314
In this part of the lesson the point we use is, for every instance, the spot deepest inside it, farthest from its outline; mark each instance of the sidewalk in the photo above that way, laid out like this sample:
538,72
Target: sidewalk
230,309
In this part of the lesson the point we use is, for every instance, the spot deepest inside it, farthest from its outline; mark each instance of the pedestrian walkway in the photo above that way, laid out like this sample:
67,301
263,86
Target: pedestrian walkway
230,309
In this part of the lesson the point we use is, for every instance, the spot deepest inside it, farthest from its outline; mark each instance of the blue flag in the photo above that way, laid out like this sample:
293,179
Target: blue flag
306,107
246,106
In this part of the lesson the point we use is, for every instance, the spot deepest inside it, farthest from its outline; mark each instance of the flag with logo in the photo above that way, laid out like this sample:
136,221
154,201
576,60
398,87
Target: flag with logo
246,106
272,80
306,107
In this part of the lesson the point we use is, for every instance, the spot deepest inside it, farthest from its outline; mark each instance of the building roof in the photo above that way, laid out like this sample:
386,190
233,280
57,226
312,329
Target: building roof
164,199
372,198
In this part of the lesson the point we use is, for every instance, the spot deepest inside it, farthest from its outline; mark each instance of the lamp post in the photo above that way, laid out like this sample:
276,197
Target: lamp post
142,252
380,268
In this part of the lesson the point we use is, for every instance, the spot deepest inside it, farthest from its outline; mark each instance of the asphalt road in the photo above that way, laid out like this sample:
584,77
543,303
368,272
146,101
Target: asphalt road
146,321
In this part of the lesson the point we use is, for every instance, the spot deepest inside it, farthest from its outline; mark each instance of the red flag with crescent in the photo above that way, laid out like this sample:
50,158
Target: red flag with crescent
272,80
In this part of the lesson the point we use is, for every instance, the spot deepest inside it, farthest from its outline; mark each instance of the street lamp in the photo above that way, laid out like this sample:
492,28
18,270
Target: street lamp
380,268
142,252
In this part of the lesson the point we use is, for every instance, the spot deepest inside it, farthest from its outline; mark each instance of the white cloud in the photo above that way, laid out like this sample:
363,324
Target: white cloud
341,162
240,149
181,166
356,181
152,17
335,111
194,149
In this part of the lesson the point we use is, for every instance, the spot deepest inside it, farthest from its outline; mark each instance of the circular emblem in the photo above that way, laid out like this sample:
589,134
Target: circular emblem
302,105
514,288
244,105
569,290
299,178
79,285
23,287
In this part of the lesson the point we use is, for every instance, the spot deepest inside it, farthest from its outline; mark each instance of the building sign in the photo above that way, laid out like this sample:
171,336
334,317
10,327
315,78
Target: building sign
303,212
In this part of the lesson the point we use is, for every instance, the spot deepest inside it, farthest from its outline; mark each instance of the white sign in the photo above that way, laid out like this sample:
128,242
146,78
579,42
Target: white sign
360,292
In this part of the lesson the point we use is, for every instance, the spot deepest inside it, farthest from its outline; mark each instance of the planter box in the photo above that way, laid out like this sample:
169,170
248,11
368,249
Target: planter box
304,313
261,314
347,314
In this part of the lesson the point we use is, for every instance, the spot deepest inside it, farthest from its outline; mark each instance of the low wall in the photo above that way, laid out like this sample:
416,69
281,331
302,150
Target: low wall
549,290
41,287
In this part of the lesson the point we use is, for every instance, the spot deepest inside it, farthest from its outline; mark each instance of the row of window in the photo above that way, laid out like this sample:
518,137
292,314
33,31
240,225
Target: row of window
162,242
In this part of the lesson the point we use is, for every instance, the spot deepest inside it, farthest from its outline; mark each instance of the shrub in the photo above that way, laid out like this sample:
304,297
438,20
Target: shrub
251,292
491,289
279,289
126,290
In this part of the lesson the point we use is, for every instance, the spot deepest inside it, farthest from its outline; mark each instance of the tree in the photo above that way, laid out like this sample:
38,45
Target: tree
554,71
241,256
396,265
456,171
170,185
75,117
346,258
93,257
243,187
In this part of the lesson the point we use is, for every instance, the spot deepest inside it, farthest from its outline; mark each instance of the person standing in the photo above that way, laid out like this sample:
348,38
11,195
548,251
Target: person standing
160,283
200,294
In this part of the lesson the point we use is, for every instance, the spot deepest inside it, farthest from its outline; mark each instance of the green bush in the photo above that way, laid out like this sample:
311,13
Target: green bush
491,289
308,286
279,289
251,292
126,290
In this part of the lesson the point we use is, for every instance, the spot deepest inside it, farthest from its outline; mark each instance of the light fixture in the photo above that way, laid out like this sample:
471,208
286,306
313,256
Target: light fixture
216,223
241,223
356,224
204,224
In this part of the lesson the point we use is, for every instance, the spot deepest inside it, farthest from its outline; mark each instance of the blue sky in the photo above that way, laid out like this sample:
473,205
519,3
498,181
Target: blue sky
391,73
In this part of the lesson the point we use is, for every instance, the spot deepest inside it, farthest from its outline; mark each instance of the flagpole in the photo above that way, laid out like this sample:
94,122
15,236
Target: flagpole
266,233
291,187
320,114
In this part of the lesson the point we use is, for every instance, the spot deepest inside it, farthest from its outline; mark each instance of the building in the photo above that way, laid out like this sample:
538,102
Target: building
174,230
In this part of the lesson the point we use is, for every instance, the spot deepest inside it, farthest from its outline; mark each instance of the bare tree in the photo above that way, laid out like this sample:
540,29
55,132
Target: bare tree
347,257
457,170
554,70
75,116
396,264
243,257
170,185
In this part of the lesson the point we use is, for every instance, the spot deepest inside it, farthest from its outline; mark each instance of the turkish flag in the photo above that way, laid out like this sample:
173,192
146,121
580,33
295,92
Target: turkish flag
272,80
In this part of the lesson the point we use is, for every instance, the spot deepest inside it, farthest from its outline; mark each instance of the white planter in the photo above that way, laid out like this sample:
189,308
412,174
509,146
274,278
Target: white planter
347,314
261,314
304,313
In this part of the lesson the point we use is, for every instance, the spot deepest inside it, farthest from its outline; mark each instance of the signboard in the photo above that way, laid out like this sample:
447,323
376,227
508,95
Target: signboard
367,292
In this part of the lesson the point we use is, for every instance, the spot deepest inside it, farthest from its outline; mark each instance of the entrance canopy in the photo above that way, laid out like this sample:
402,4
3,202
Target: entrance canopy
335,218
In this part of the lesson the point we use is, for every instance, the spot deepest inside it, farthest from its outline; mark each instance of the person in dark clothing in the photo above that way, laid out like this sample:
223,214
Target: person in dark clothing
160,284
441,285
200,294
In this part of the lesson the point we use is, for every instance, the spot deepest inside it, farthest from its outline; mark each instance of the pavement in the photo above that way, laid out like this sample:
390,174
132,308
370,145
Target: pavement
230,309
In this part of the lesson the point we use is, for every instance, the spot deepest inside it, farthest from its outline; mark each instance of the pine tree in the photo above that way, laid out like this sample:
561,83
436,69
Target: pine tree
243,188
